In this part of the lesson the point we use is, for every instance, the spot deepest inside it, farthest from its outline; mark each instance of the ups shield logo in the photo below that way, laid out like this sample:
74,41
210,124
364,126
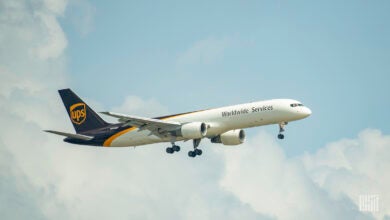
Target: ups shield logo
78,113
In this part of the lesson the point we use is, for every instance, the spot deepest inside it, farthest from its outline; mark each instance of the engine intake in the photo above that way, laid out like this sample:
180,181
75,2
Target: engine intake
193,130
233,137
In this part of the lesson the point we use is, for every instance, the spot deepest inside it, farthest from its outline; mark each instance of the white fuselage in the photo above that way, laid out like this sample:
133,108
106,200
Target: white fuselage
220,120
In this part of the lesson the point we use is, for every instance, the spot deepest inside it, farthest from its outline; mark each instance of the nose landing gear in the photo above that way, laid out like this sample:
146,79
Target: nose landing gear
281,129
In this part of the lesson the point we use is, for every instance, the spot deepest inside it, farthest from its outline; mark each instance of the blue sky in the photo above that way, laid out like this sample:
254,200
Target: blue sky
331,55
150,58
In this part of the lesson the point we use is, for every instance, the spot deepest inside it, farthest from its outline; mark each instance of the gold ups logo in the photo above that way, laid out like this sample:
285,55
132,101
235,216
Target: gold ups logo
78,113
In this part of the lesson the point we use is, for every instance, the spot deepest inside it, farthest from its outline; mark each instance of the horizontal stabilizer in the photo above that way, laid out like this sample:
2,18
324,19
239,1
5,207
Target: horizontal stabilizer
76,136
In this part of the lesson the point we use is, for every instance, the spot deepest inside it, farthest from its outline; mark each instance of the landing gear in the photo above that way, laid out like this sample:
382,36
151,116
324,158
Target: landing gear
281,129
176,148
196,151
173,149
170,150
191,153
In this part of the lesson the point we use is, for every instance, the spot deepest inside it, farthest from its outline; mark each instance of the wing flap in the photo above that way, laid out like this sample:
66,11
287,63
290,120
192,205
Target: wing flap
156,126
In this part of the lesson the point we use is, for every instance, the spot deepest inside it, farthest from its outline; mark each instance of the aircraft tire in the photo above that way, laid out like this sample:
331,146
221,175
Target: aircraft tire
191,154
170,150
176,148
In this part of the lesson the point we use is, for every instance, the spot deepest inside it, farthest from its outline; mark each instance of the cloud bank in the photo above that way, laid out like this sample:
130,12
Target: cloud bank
43,178
324,185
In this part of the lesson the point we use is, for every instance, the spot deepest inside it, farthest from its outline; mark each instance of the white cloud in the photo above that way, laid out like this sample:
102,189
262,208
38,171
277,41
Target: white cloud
325,185
57,7
29,79
134,105
354,167
54,41
81,13
205,51
42,177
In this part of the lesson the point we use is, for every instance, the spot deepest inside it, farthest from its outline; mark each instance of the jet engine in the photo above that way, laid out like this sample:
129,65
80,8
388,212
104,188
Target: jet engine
193,130
233,137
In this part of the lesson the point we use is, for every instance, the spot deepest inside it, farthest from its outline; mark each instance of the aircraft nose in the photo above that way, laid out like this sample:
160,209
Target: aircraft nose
306,111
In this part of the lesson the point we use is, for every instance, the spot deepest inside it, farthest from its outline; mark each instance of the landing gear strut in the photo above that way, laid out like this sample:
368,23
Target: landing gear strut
281,129
196,151
173,149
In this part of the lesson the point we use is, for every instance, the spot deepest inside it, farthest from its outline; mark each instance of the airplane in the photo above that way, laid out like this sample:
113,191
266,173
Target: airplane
221,125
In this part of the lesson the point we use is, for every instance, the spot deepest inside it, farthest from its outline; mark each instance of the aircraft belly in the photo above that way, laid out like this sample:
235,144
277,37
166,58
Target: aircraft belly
135,138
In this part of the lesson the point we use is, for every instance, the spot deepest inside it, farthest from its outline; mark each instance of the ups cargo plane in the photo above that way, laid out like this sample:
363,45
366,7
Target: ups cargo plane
221,125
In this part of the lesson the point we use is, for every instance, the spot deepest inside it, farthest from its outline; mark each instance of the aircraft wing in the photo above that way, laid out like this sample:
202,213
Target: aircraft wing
76,136
155,126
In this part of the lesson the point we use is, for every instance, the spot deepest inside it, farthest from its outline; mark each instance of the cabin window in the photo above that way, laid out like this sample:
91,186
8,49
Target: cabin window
296,104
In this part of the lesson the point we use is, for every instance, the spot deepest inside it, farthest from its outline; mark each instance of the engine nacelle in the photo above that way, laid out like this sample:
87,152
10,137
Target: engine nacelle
233,137
193,130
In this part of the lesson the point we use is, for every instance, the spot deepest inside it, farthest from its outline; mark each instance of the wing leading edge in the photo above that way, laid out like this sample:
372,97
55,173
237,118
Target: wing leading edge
155,126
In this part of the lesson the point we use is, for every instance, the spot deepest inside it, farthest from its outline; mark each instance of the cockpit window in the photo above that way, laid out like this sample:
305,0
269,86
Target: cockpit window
296,104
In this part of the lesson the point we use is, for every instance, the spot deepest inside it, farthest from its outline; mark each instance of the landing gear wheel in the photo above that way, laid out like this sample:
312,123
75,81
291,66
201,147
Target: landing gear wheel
169,150
281,129
191,153
198,152
176,148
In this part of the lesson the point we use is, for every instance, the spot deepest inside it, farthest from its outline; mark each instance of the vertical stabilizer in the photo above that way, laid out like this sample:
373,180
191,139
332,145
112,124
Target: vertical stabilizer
81,115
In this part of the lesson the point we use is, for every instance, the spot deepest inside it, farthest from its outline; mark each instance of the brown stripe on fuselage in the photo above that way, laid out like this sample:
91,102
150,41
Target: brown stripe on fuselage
109,140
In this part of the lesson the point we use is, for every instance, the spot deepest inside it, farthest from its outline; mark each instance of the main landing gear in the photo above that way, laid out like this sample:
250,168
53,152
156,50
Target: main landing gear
281,129
173,149
196,151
